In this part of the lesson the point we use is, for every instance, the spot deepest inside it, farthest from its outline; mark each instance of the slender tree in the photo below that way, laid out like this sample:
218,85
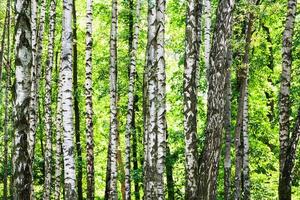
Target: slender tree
113,102
48,111
22,169
288,143
216,101
58,144
33,88
76,105
207,33
89,103
66,102
130,124
150,173
161,97
190,100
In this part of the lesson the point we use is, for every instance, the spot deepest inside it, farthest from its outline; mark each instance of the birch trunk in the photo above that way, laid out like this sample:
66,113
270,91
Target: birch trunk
284,105
89,102
113,102
207,33
66,103
58,142
216,101
150,174
161,97
33,78
48,111
130,129
190,100
22,163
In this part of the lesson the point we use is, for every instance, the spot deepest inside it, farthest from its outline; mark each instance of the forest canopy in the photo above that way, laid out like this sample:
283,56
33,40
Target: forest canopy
156,99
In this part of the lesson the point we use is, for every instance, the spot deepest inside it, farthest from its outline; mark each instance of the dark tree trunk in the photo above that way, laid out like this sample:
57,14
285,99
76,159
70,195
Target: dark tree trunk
210,156
76,106
287,143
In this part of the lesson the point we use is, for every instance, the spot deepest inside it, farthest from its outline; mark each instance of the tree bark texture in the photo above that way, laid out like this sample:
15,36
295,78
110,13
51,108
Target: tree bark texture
209,162
67,104
22,164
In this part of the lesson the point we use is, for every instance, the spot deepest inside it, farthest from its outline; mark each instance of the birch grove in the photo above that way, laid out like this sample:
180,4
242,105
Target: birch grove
149,99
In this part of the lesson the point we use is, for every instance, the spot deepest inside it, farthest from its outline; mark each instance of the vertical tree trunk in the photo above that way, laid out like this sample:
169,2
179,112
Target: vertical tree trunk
58,136
207,33
66,102
7,89
150,175
161,97
227,124
284,105
169,171
216,87
33,88
108,171
89,103
76,105
130,124
190,100
48,111
113,102
22,169
134,152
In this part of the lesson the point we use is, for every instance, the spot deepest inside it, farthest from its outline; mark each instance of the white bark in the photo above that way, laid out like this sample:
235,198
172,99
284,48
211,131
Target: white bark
66,102
48,111
113,101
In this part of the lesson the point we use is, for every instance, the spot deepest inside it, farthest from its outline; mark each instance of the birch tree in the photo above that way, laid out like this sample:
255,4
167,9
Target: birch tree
288,142
66,102
22,169
150,174
89,103
48,102
216,87
161,97
190,99
241,131
113,101
130,106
